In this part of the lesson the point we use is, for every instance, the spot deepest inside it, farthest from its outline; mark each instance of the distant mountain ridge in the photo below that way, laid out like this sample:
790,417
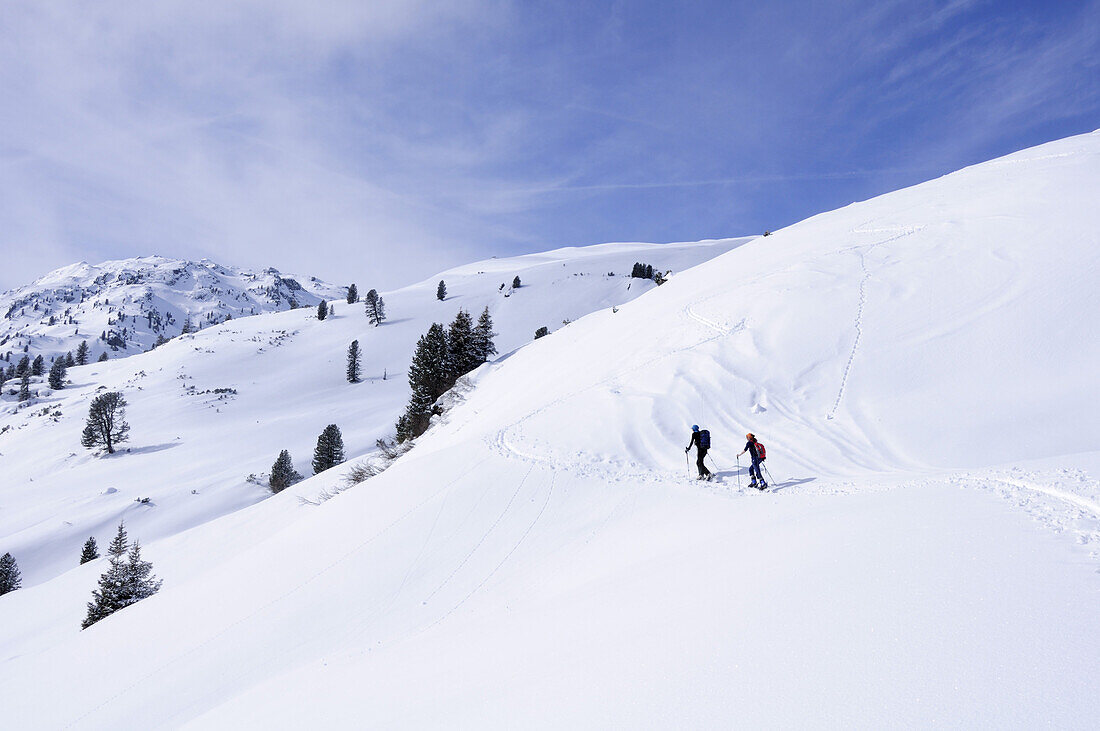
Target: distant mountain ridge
122,307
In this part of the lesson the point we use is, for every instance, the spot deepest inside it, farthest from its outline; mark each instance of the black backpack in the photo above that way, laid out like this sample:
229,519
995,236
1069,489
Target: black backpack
704,439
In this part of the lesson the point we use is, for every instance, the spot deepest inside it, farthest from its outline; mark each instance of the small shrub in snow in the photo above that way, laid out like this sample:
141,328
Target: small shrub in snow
515,282
361,472
542,332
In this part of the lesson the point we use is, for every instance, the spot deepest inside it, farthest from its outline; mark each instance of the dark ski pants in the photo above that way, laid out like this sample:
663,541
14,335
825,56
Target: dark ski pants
703,471
754,470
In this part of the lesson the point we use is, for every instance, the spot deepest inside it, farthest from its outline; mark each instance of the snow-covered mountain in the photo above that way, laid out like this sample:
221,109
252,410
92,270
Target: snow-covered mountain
122,307
210,409
920,366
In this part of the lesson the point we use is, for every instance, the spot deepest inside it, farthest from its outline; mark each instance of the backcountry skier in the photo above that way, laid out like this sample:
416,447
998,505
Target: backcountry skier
700,439
756,452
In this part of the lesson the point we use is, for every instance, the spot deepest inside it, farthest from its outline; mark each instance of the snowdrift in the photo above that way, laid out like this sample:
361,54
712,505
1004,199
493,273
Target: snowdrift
540,559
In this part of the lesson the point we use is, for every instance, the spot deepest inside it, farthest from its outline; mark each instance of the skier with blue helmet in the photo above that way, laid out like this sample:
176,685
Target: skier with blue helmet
700,439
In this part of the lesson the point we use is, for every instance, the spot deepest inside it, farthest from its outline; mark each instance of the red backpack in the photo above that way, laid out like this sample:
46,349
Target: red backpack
761,453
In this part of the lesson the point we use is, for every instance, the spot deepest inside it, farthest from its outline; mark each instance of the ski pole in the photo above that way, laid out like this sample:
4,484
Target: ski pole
769,472
687,463
738,472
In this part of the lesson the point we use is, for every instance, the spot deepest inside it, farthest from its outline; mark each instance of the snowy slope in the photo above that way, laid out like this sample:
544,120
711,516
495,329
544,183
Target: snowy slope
121,307
193,447
540,560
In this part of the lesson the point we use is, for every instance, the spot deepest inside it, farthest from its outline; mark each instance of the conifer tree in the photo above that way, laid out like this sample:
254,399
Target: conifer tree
322,310
353,369
106,423
515,282
82,353
330,449
542,332
441,291
90,552
461,348
427,379
125,581
102,356
283,474
483,337
24,366
375,308
25,387
353,294
37,366
69,362
57,374
10,578
3,378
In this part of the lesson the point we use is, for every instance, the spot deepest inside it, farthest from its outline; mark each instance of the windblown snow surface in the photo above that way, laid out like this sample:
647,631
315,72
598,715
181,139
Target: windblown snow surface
922,368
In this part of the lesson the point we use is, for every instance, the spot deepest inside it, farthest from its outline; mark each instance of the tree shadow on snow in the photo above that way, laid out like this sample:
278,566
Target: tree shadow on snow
147,449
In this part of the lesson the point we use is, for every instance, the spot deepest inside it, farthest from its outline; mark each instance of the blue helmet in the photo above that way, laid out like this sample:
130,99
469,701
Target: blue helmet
695,427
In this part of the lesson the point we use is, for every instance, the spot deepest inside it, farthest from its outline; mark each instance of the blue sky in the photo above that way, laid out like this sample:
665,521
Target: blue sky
381,142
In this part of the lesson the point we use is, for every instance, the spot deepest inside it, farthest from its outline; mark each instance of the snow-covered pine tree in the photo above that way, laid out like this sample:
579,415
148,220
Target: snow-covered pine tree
427,379
37,366
82,353
25,386
57,374
441,291
461,348
483,337
283,474
90,552
143,584
10,578
123,583
375,308
24,366
353,369
69,361
106,424
322,310
102,356
330,449
353,294
515,282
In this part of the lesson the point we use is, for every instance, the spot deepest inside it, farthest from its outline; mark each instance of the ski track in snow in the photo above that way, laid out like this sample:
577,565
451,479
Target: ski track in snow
862,251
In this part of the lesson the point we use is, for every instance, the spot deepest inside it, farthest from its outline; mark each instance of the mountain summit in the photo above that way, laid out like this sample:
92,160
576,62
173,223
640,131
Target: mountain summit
124,306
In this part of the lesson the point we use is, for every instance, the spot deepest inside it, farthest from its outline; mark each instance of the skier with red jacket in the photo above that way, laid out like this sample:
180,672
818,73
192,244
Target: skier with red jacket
757,453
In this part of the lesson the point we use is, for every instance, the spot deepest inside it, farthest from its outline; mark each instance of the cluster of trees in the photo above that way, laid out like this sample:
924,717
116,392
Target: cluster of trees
127,580
328,453
441,358
642,271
